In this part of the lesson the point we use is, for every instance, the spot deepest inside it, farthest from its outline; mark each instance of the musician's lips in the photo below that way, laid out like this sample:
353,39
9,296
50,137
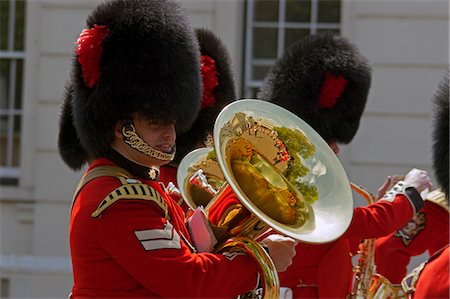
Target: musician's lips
165,148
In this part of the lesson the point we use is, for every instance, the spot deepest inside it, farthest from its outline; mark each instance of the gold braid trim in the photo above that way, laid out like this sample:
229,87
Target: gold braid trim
410,281
438,197
136,142
132,191
99,171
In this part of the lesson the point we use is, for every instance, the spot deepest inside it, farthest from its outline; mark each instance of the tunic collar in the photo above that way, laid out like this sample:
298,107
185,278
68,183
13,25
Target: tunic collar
144,172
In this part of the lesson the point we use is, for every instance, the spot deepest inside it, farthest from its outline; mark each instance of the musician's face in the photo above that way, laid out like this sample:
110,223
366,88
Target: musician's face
158,136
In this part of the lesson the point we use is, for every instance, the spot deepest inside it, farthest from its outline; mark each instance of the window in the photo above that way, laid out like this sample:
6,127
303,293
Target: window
12,55
273,25
4,287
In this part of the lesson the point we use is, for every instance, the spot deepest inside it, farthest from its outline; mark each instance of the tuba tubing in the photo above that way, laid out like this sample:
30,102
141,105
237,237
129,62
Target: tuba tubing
239,237
270,280
253,158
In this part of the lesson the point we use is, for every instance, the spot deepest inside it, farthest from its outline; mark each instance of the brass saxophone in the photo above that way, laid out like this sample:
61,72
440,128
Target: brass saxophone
367,283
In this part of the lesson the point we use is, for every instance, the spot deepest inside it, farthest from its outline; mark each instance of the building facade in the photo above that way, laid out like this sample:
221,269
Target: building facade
407,43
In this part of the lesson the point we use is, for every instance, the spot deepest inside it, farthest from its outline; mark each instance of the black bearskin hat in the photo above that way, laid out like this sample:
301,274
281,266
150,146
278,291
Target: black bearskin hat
134,57
324,80
218,91
440,134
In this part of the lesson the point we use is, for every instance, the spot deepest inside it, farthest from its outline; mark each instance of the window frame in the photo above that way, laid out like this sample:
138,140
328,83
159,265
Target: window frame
249,83
12,56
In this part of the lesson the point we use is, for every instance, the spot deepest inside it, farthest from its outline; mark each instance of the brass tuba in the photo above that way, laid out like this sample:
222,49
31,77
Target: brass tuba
284,175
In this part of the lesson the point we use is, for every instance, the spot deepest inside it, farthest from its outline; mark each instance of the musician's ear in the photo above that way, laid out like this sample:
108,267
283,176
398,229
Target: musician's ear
334,146
118,129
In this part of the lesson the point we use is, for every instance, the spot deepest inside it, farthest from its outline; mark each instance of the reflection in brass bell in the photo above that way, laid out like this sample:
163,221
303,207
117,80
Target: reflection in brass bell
264,184
276,141
271,170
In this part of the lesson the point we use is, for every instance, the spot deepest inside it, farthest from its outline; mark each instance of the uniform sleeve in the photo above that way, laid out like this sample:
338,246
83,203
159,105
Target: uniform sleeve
385,216
376,221
434,280
144,243
426,231
380,219
392,258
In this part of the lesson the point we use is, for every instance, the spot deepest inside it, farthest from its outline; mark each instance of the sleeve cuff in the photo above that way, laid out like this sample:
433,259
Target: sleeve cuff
414,198
407,190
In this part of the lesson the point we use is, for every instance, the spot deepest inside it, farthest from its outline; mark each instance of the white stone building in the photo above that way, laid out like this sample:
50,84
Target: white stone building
407,42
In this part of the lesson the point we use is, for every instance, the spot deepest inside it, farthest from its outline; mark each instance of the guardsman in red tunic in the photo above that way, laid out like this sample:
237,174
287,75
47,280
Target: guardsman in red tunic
428,230
324,80
135,80
217,92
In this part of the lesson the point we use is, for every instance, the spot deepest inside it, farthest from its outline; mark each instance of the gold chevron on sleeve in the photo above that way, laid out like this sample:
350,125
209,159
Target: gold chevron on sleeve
134,191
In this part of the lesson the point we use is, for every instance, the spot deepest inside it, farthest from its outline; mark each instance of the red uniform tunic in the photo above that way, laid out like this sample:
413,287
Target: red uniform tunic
168,174
434,280
132,251
428,231
325,270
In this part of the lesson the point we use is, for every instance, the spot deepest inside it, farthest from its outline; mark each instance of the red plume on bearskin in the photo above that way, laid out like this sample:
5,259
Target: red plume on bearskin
209,79
218,91
89,50
332,88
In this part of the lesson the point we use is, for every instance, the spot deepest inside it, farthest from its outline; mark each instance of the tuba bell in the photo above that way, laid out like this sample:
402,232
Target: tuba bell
284,175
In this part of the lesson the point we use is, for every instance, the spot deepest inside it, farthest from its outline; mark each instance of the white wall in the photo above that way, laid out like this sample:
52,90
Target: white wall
34,256
226,19
407,43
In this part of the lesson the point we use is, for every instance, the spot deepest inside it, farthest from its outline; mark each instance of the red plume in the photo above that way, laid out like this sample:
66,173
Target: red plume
332,89
210,81
89,49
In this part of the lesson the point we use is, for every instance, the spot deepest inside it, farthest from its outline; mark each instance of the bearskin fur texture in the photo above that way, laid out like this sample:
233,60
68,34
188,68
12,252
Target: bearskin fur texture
149,65
441,134
224,93
296,83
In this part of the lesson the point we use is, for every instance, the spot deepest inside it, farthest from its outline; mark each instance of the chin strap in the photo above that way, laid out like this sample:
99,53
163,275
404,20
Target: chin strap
132,139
